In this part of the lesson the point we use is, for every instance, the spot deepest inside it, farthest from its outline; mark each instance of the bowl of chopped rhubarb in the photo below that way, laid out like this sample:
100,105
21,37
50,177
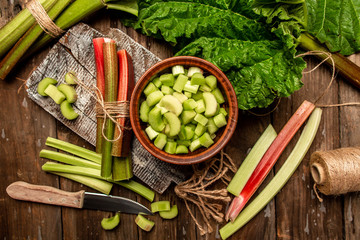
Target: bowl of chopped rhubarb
183,110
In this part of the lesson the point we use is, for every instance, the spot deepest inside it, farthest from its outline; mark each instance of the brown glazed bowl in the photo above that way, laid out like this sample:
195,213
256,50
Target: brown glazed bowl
223,135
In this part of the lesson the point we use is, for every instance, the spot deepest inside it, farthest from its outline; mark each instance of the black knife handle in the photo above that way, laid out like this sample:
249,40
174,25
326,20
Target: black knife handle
45,194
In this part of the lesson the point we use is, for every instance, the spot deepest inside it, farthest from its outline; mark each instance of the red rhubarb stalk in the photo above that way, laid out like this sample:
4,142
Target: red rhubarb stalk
121,148
269,159
122,164
100,83
111,81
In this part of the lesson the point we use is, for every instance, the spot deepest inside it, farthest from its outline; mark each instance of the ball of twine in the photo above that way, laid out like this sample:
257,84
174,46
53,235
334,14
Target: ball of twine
336,172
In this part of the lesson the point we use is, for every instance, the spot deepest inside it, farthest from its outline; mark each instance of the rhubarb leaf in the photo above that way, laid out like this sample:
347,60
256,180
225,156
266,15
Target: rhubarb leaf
259,63
335,23
259,71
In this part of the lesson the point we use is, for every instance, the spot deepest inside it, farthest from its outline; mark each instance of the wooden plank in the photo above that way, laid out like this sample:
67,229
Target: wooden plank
350,137
9,9
23,127
299,214
248,130
85,224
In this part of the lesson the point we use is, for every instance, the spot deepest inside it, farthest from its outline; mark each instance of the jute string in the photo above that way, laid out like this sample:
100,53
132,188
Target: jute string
328,56
198,190
43,19
108,110
337,171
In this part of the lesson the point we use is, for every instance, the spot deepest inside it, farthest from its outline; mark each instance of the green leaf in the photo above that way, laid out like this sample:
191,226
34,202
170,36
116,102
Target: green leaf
335,23
259,71
259,63
181,22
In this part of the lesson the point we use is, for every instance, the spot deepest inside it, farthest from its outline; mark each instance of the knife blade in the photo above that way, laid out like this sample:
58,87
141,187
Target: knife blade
81,199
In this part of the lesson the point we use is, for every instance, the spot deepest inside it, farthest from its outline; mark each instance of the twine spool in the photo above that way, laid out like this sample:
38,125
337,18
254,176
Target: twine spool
336,172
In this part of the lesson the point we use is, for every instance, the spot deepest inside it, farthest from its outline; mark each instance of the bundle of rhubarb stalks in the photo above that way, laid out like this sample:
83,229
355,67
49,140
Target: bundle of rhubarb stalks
23,35
115,83
260,161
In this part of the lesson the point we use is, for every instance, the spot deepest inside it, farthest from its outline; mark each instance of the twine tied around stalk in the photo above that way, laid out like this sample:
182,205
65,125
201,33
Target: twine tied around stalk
111,110
43,19
196,190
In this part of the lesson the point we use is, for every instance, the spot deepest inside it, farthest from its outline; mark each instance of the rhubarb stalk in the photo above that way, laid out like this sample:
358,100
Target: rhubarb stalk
269,159
100,84
78,10
68,159
13,30
121,148
346,68
280,179
73,149
94,183
122,166
25,42
95,173
111,83
248,166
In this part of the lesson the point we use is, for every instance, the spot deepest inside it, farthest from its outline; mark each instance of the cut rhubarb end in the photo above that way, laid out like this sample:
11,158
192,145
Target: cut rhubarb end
235,208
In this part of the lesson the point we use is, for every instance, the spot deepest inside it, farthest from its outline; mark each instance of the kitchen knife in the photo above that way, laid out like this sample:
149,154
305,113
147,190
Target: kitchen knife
81,199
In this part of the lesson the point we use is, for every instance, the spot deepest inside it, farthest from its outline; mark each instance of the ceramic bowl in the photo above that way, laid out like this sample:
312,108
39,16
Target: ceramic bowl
223,135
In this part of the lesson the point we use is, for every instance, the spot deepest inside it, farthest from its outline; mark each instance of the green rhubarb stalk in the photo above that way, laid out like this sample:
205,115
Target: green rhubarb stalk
137,188
68,159
122,168
72,15
94,183
111,81
20,48
130,7
347,68
280,179
74,149
252,159
75,13
95,173
13,30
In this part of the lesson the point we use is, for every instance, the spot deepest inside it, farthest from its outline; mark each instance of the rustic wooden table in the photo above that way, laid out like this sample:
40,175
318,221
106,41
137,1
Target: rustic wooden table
295,213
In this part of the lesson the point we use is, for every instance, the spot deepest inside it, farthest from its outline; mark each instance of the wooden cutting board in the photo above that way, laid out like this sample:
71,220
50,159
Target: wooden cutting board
75,52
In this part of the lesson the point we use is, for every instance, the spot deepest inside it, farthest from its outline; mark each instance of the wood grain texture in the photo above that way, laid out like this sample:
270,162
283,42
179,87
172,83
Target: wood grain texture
349,135
295,213
45,194
299,214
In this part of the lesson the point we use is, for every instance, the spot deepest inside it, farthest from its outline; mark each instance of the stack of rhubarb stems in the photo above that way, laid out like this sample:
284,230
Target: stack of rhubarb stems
115,83
22,36
260,161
